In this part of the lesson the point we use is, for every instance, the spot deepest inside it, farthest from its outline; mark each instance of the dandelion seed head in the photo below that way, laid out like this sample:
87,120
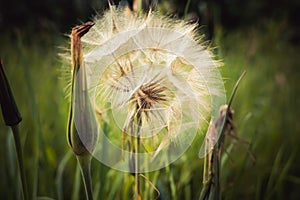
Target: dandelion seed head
155,77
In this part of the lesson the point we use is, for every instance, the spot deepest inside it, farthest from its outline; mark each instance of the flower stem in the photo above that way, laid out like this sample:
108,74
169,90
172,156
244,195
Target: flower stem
79,95
137,150
85,167
137,174
15,130
186,9
212,168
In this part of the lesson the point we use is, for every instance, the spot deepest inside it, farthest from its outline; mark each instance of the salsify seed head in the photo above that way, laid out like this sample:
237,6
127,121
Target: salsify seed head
152,77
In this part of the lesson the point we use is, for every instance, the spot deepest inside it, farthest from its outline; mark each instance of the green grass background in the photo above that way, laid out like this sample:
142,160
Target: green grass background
266,115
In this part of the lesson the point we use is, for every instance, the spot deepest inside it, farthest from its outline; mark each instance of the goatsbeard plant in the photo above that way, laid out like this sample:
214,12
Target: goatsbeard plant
82,126
153,80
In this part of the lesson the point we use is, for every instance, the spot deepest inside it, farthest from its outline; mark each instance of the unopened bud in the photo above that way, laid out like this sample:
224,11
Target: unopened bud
82,129
9,107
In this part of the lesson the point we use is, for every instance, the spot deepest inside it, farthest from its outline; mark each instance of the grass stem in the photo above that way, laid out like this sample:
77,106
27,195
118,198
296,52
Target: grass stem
137,150
15,130
137,168
186,8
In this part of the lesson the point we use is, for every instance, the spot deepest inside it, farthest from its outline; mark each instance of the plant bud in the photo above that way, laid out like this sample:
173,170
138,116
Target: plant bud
9,107
82,128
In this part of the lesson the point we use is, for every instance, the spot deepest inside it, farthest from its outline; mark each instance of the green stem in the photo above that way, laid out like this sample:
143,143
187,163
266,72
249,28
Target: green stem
76,183
186,9
212,169
59,177
15,130
137,161
216,178
85,166
223,125
172,182
137,167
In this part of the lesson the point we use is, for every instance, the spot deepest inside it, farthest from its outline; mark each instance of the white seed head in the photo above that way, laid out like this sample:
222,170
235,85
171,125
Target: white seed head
153,74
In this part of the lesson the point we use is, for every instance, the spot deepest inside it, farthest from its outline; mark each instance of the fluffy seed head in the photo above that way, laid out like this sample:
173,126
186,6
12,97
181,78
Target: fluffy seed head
153,76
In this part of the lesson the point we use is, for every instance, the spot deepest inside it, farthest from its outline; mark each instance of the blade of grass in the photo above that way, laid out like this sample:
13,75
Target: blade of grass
36,136
77,183
117,180
59,176
186,8
12,168
222,128
37,139
103,168
171,181
278,174
19,151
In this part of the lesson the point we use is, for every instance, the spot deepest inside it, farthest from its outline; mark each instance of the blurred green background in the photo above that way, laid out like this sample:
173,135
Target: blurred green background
261,37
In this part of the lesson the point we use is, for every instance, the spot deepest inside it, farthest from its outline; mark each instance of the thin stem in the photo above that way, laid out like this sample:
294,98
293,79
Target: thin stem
59,177
171,180
222,128
76,183
186,8
216,176
85,167
212,169
15,130
137,165
137,150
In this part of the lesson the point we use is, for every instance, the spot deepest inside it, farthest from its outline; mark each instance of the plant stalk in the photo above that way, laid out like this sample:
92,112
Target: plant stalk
83,109
137,174
85,167
211,172
186,9
15,130
137,161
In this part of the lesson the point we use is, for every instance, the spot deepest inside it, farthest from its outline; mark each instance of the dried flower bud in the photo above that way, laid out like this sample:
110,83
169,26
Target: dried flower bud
9,107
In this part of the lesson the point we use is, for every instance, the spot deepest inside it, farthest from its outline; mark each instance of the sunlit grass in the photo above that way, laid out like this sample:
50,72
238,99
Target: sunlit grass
266,113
